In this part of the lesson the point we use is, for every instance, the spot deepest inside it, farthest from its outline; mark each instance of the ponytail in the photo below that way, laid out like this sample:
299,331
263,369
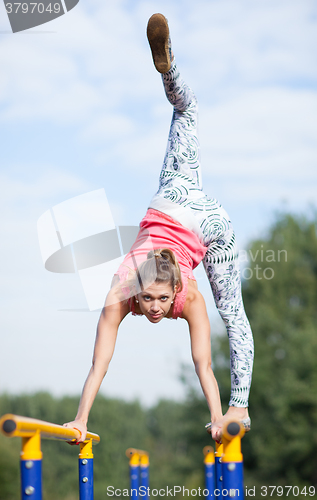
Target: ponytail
161,266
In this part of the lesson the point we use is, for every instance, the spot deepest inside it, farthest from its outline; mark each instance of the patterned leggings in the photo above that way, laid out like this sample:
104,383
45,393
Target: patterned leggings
180,182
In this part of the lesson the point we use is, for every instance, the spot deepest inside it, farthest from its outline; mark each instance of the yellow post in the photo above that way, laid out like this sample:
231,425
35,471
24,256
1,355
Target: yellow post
219,450
144,474
231,438
86,450
232,460
86,471
31,467
138,459
134,457
31,447
208,452
134,463
144,460
209,462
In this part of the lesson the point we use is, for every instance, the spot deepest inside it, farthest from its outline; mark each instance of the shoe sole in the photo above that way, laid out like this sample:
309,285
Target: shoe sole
158,36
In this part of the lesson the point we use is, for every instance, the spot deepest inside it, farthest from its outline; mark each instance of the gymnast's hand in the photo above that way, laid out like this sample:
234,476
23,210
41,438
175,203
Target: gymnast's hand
216,430
79,426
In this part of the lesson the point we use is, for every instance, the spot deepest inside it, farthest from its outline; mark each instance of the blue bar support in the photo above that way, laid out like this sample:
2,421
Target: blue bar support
86,478
218,471
144,482
134,481
31,479
233,479
210,480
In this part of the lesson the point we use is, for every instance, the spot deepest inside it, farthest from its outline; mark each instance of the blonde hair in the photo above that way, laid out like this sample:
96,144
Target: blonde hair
161,266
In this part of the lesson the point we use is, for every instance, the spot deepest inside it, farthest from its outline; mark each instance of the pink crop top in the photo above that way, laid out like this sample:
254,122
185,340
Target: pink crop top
158,230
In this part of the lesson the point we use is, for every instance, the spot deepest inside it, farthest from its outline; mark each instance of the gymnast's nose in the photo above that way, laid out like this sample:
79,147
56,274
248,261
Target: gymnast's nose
155,306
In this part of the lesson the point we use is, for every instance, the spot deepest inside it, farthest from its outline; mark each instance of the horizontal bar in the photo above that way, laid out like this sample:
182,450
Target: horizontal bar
207,450
134,451
233,429
18,426
209,454
138,457
232,433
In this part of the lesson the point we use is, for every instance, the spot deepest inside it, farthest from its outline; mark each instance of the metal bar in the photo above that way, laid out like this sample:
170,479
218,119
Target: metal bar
18,426
86,471
135,456
134,481
31,479
31,431
218,470
86,478
232,460
130,451
209,462
31,468
144,476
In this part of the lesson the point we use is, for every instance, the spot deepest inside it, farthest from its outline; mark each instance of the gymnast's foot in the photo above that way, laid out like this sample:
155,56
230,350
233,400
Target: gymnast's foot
160,42
241,414
233,413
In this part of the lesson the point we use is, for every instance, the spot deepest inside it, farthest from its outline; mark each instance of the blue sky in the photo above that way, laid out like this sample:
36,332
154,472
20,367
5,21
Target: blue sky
82,108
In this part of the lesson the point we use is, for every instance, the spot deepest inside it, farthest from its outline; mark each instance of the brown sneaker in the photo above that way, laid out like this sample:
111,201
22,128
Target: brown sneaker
159,40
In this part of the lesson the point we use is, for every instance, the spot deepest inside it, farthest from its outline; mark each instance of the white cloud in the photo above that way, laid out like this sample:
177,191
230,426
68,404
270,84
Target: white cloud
268,132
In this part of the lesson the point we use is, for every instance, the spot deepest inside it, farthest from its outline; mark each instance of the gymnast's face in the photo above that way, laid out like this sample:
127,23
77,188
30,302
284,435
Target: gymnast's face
156,300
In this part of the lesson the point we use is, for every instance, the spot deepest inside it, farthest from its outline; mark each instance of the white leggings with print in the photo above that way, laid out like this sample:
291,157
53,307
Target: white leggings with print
180,183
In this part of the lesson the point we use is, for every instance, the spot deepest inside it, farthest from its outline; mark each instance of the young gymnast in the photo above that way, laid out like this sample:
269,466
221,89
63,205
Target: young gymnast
181,228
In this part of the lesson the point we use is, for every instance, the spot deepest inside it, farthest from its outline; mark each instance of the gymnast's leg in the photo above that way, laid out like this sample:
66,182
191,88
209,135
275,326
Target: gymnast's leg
181,166
180,182
222,268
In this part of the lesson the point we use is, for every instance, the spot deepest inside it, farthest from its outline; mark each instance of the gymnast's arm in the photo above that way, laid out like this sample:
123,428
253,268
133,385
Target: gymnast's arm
107,329
196,315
